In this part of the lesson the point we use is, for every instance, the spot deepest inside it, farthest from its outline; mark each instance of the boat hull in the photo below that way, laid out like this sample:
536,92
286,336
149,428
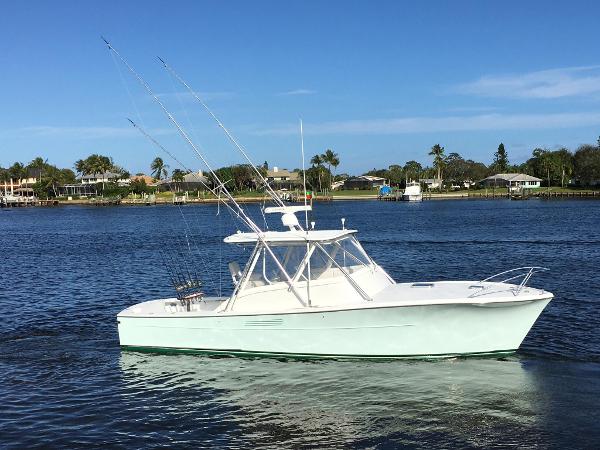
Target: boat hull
419,331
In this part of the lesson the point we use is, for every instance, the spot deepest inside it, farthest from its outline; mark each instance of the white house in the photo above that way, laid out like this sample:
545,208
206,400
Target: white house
512,181
283,178
377,181
431,183
106,177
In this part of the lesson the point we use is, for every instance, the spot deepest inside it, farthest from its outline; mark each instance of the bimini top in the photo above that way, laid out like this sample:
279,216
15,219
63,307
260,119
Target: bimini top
289,236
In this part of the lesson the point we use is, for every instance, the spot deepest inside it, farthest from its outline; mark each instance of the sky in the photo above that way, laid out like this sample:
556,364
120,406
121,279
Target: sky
377,82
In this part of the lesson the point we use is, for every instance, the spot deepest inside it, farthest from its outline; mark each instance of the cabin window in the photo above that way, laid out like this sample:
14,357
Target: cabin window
266,271
327,259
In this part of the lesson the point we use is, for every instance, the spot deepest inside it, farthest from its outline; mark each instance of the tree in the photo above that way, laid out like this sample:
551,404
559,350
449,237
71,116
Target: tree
243,176
17,171
177,176
412,170
500,163
586,164
564,162
159,168
438,161
138,186
317,162
395,174
331,159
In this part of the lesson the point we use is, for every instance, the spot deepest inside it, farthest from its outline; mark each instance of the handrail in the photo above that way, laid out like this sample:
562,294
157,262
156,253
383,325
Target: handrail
526,272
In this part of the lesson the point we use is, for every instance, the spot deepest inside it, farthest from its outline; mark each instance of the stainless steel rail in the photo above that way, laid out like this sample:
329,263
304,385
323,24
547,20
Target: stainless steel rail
525,272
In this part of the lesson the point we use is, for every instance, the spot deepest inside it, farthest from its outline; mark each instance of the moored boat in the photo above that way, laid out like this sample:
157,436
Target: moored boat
412,192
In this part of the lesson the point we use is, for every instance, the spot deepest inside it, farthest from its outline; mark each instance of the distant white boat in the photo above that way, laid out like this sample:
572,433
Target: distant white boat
412,193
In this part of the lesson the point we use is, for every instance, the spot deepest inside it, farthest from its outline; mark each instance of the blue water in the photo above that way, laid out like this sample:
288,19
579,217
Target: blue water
66,272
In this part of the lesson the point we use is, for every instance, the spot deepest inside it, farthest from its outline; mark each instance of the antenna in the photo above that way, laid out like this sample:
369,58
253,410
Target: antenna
304,175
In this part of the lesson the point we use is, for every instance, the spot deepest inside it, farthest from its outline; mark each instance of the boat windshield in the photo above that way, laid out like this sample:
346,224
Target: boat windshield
327,260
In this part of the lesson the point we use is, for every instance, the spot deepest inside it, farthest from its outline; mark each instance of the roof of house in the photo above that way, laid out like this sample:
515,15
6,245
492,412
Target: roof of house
106,175
372,178
195,177
279,173
147,178
512,177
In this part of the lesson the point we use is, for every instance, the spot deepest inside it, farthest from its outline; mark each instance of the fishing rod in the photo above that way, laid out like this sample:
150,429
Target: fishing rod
206,186
259,233
183,134
268,187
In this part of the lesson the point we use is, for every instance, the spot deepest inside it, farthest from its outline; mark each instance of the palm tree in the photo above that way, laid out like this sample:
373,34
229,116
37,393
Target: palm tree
80,166
317,161
159,168
331,159
177,176
438,161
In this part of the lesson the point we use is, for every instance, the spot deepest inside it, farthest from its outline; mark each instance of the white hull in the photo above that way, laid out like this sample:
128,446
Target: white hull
376,331
412,198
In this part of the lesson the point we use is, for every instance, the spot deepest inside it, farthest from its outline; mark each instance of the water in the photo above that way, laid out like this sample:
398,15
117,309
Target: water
67,272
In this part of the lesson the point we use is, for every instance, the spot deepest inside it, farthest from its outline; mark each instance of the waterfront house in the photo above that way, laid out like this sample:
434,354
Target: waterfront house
431,183
337,185
77,190
193,181
376,182
283,178
512,181
106,177
145,178
358,183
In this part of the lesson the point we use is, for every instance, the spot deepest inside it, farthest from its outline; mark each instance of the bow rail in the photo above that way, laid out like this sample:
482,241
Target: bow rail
522,272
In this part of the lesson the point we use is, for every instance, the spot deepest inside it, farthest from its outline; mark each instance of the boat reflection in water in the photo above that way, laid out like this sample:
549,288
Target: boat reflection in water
473,402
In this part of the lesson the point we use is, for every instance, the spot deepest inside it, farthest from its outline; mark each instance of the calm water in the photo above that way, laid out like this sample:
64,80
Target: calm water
67,272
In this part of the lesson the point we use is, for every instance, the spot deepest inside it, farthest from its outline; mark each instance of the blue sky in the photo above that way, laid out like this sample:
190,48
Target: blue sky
378,82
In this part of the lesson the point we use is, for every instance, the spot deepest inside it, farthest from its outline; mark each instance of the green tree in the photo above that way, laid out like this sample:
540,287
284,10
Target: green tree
564,162
439,159
395,174
317,162
500,163
138,186
586,164
412,170
177,176
331,159
159,168
17,171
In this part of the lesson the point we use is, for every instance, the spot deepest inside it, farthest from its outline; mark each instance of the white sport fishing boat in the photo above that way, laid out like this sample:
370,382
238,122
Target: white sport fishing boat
306,292
412,192
318,293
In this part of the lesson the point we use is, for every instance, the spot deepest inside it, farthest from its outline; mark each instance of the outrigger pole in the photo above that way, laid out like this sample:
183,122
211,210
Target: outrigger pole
213,191
241,212
268,187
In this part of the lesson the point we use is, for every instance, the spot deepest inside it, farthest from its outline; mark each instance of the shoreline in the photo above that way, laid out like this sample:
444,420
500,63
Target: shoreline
334,198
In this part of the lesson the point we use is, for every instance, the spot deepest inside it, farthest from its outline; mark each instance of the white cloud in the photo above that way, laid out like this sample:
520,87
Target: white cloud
438,124
544,84
298,92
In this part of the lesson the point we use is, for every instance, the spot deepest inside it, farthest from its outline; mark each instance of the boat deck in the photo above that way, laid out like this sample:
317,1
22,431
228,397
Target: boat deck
400,294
